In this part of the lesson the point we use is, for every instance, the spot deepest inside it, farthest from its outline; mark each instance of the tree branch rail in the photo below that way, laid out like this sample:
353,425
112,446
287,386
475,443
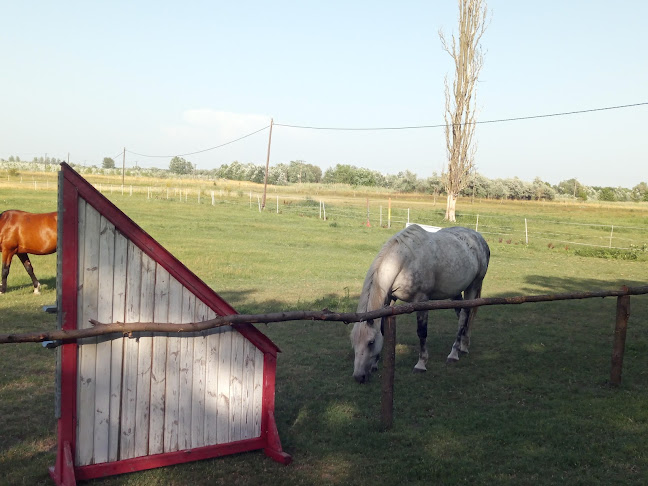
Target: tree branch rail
127,329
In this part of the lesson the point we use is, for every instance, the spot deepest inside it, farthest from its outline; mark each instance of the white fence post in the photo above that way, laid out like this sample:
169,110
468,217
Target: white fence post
477,224
526,231
611,233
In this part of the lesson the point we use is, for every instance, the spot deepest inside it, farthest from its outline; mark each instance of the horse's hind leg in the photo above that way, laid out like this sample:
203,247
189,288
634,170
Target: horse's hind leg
6,263
421,330
466,318
24,258
458,309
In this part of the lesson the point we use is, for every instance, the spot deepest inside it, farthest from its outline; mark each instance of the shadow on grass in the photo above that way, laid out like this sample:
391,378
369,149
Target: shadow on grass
541,283
529,404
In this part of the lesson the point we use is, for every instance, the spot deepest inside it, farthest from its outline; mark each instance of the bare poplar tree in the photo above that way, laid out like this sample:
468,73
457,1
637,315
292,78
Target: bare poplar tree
460,106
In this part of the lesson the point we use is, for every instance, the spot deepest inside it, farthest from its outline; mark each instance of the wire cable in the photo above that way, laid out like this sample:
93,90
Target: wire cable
201,151
501,120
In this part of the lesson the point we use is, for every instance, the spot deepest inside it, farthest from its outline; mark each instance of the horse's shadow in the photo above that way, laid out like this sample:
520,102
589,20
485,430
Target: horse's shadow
47,283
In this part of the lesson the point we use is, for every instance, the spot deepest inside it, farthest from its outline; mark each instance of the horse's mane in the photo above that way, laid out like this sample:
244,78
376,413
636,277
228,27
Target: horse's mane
374,289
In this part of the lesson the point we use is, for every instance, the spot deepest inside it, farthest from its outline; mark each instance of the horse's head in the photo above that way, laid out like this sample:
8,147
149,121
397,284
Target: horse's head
367,342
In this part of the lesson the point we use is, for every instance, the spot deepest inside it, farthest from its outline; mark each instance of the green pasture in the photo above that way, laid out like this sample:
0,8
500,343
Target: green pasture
530,404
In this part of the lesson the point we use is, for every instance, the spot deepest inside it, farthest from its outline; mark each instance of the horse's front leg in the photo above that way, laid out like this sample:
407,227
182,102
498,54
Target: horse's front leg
421,330
24,258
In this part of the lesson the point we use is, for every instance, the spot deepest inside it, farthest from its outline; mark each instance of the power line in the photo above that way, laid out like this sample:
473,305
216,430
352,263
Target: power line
501,120
201,151
412,127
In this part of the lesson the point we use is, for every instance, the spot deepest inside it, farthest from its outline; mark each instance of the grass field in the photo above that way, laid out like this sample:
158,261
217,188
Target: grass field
529,405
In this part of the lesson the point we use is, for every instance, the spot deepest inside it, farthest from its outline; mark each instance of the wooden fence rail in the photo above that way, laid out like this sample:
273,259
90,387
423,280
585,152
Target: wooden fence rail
98,329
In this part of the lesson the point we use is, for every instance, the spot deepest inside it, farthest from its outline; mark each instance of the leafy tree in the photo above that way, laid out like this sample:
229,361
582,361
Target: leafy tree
434,185
108,163
607,194
498,189
300,171
640,192
407,182
178,165
542,190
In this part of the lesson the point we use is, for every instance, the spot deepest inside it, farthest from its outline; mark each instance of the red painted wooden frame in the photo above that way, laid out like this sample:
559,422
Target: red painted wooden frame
64,472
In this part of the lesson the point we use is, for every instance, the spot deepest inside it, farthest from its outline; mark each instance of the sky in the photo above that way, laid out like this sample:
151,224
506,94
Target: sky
162,78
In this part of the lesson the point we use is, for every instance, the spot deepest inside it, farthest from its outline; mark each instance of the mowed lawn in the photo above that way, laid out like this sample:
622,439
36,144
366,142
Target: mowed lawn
530,404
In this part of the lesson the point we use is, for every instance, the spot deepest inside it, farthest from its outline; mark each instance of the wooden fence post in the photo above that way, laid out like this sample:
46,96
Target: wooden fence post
622,315
387,381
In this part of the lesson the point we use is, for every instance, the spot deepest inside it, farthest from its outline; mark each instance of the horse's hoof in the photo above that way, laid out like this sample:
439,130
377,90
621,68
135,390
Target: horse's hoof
450,360
418,370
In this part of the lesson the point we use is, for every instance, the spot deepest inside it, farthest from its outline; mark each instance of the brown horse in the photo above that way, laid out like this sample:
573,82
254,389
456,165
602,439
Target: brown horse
22,233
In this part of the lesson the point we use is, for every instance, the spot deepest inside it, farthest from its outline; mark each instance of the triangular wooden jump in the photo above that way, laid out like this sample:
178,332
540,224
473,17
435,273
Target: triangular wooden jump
128,404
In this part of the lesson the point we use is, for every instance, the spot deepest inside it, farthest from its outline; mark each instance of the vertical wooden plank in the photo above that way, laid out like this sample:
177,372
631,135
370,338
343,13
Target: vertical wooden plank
258,392
117,352
236,387
67,299
129,378
79,313
158,370
88,348
223,390
211,384
186,375
104,351
199,376
144,359
247,406
172,393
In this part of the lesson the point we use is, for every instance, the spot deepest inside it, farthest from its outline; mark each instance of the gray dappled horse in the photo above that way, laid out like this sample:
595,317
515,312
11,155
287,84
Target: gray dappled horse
413,266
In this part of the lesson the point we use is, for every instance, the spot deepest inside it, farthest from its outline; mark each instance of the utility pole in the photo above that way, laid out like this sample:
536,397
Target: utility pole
265,180
123,167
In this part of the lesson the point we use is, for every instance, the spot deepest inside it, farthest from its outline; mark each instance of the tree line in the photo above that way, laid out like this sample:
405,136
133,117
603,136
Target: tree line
299,171
478,185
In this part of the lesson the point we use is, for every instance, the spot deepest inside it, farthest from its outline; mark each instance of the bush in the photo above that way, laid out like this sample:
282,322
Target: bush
608,253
